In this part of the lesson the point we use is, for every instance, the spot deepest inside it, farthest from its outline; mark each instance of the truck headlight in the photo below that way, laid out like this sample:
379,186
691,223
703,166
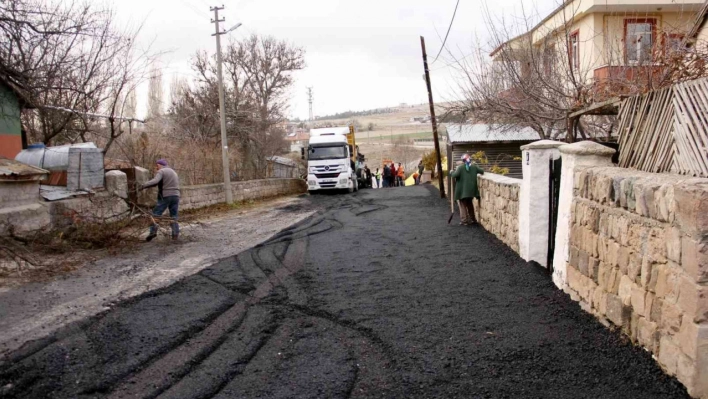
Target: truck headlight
311,183
343,181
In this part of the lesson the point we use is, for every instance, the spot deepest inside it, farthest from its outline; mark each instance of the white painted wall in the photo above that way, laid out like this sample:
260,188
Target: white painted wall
576,155
534,200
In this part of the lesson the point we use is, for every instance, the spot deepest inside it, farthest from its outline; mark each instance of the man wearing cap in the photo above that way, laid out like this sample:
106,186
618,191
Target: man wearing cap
167,183
466,188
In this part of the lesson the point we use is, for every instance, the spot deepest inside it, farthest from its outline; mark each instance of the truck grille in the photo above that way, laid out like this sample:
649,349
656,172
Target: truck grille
327,175
332,169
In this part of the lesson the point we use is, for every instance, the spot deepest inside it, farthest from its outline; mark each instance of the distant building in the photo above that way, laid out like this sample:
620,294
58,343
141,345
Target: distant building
298,139
12,101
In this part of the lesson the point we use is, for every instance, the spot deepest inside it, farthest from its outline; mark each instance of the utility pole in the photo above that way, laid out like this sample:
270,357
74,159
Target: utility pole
309,100
222,111
432,118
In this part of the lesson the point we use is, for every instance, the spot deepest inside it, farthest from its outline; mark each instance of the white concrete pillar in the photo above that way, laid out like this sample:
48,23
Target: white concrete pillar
534,200
576,155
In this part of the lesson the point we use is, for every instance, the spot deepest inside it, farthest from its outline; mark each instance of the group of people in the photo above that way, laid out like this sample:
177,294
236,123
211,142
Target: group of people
395,176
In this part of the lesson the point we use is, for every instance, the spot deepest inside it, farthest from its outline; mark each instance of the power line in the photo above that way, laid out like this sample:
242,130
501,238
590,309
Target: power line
448,32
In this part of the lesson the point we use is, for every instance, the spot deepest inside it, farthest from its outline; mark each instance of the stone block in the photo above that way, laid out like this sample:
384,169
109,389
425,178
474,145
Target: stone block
693,299
583,259
657,245
662,281
694,258
612,254
614,281
655,314
117,183
686,373
671,316
627,199
146,197
617,313
673,244
669,353
638,300
633,326
687,337
647,333
625,290
594,269
691,204
647,268
628,262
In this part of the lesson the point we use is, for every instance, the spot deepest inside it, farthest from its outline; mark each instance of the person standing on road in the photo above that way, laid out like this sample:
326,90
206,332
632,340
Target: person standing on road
394,173
401,173
421,168
466,189
167,183
377,175
367,171
386,175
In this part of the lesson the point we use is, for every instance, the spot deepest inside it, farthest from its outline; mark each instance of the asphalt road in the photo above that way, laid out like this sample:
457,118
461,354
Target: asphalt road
375,297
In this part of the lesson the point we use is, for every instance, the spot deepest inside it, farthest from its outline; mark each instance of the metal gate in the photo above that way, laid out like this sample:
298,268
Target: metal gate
554,178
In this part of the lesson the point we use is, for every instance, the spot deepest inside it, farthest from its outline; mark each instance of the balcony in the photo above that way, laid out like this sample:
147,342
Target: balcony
612,81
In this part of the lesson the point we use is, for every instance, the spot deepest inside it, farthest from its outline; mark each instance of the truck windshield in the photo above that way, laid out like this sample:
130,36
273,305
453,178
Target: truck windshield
317,153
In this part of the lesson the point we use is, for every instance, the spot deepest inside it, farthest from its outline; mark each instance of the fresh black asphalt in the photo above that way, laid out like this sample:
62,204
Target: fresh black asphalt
375,297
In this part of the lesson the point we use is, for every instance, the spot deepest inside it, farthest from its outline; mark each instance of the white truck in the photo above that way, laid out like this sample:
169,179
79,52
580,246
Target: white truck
332,161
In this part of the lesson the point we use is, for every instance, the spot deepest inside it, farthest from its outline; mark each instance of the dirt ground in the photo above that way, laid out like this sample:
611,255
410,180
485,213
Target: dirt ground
373,296
97,280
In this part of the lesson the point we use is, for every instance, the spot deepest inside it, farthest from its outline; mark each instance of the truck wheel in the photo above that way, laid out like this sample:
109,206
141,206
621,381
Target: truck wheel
356,185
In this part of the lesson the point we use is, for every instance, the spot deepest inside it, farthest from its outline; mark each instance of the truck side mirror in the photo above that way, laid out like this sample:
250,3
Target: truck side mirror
302,152
351,150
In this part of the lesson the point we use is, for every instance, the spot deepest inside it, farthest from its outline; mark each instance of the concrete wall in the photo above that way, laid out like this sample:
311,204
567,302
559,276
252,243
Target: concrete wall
210,194
638,259
499,207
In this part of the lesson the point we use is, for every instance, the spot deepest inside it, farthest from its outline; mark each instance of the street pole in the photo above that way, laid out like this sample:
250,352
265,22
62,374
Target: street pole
222,110
432,119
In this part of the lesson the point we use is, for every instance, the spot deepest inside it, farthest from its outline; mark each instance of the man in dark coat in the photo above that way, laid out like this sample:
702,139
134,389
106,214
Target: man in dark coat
386,175
466,189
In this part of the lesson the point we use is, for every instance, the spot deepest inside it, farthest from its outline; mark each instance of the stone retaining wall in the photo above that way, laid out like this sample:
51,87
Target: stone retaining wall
498,208
639,259
210,194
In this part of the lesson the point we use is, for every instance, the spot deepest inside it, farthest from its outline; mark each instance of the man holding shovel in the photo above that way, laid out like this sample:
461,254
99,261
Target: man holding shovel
465,178
167,183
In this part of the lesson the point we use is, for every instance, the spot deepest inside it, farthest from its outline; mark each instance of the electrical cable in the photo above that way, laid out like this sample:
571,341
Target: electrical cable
448,31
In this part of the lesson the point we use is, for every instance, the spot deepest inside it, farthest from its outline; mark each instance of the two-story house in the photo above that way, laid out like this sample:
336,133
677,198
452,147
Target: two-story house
615,46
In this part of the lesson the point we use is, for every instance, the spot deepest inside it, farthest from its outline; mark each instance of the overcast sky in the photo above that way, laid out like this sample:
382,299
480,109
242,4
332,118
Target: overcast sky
360,54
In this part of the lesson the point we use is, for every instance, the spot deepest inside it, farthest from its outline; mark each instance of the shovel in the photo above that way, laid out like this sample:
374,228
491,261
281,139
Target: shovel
452,200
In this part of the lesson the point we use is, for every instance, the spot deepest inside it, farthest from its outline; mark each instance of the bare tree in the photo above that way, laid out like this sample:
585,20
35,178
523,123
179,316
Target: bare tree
155,93
267,65
74,65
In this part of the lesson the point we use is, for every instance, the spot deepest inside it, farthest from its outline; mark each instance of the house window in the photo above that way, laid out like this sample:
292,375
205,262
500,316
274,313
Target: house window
574,50
639,40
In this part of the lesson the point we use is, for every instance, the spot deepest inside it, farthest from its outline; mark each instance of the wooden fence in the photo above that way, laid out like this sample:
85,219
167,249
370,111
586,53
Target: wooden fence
666,130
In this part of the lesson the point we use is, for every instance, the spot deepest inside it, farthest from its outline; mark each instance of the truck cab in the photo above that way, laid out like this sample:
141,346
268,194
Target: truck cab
330,160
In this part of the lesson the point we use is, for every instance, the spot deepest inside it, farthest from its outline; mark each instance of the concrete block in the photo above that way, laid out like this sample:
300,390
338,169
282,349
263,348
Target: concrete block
85,170
117,183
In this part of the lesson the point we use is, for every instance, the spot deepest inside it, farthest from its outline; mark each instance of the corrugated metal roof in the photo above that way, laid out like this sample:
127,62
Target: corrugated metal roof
282,160
478,133
15,170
